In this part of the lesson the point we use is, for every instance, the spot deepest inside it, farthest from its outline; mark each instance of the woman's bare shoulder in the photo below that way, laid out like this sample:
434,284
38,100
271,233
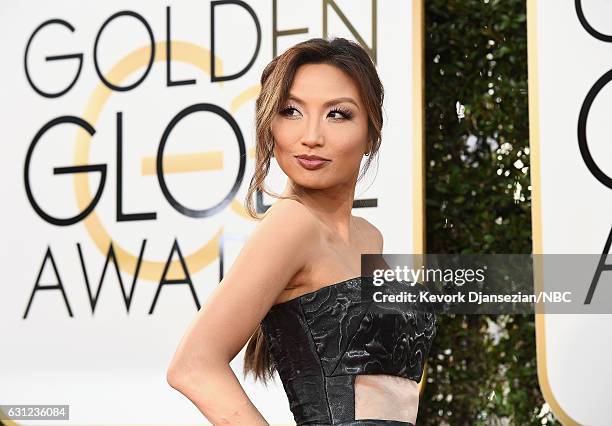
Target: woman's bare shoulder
372,233
288,212
292,219
288,233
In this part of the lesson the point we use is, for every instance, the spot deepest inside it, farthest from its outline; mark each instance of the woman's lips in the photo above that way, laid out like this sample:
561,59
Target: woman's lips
311,164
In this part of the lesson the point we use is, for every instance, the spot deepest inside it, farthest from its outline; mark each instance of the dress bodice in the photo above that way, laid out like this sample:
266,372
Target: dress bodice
321,340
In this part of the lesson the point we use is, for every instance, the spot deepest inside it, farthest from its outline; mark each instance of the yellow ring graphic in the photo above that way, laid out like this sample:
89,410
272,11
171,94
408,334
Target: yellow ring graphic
149,270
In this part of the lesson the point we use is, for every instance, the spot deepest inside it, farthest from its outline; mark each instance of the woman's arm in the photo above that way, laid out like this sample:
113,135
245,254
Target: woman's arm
279,247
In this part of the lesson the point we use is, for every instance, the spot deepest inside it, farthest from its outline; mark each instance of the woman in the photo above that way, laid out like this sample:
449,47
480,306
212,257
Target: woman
294,287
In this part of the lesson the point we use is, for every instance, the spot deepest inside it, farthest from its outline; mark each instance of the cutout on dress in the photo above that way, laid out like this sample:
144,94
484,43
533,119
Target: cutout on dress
383,396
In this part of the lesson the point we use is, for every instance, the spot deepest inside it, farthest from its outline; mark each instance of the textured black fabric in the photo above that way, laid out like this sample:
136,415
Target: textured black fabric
321,340
369,422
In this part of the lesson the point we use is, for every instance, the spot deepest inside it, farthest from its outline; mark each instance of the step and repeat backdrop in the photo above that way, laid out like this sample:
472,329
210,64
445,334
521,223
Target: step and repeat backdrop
570,101
128,146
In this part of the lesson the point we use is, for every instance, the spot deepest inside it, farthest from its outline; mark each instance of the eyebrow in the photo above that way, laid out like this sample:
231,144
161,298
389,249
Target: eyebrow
330,102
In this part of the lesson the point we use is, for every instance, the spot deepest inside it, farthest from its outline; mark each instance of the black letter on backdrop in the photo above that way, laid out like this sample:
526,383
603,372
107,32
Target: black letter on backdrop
582,136
151,57
241,155
372,51
93,300
601,267
124,217
78,56
248,8
589,29
57,286
186,280
276,33
63,170
169,81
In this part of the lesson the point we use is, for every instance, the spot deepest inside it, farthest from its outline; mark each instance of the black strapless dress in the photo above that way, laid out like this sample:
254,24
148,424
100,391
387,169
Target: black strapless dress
322,340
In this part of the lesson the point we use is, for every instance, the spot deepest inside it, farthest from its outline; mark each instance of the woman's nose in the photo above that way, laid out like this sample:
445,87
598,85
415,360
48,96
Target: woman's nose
313,134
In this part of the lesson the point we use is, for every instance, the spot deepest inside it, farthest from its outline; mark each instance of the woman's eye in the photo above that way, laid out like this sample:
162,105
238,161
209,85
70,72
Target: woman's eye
341,114
289,112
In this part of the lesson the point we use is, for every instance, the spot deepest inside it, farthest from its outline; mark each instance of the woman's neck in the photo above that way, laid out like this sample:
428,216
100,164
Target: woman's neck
332,206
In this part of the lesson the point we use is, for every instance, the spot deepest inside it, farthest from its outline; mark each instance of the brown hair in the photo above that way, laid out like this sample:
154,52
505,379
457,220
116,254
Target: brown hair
276,80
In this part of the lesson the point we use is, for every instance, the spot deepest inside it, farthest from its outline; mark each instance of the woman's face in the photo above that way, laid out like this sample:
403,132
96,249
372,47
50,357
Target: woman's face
324,116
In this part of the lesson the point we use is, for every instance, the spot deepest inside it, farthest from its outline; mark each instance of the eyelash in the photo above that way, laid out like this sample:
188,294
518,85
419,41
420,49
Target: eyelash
346,113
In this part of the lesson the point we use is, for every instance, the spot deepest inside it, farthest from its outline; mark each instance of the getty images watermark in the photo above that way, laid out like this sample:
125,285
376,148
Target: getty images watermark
490,283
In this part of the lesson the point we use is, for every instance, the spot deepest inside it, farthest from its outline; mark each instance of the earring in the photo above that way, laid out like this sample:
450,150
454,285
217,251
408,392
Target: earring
367,153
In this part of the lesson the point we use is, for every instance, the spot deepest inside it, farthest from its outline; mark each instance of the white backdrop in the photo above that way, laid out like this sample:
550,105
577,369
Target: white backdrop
87,349
571,208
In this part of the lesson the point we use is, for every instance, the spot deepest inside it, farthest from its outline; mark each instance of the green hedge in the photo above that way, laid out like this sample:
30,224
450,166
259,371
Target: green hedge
478,201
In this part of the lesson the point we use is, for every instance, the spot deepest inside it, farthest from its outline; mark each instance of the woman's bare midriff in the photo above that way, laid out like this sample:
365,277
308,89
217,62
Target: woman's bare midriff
382,396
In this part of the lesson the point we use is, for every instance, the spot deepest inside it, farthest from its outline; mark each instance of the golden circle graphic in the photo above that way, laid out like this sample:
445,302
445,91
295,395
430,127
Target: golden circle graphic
149,270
